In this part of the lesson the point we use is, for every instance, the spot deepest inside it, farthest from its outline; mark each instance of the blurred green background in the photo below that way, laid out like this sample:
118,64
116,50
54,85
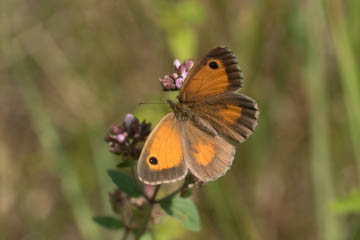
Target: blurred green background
69,69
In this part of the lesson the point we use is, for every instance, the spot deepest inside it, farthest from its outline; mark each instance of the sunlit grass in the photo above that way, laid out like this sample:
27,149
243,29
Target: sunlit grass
83,66
320,153
51,141
348,63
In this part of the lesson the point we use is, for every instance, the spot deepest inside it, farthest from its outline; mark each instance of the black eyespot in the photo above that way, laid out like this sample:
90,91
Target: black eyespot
153,160
213,65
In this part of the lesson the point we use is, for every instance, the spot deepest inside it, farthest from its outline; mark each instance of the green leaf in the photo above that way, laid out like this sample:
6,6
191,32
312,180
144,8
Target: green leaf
125,183
184,210
126,164
187,192
109,222
350,204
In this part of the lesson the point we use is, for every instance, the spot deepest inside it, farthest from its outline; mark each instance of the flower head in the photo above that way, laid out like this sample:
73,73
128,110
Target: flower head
131,209
174,81
129,119
123,138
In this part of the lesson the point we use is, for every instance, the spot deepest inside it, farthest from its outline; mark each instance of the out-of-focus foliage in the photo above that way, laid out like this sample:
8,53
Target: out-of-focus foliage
69,69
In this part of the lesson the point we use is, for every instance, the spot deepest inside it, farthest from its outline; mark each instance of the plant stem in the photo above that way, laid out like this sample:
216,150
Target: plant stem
126,233
152,201
330,227
171,194
148,217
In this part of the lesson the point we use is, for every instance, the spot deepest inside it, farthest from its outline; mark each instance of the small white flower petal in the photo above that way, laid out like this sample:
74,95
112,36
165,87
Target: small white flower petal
179,82
129,120
177,63
121,138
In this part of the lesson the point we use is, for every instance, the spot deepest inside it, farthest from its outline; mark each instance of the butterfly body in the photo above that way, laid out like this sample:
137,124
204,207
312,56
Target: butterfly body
181,110
192,136
184,112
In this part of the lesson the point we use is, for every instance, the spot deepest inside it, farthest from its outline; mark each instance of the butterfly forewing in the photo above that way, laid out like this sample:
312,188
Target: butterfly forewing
216,73
162,160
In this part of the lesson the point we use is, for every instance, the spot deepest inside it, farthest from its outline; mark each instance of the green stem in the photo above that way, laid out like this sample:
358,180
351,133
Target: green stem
152,201
346,57
126,233
155,193
330,227
51,141
171,194
148,218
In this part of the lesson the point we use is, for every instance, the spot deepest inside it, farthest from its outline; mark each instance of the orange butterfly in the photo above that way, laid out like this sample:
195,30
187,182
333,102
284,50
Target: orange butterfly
191,137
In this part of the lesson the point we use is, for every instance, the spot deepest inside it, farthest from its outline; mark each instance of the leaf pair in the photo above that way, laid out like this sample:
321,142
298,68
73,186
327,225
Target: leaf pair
180,208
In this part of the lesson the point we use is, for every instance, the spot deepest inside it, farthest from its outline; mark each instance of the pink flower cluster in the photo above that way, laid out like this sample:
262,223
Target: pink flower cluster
174,81
123,138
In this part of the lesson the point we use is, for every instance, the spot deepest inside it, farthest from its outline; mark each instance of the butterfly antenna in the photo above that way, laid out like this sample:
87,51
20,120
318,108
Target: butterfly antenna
142,103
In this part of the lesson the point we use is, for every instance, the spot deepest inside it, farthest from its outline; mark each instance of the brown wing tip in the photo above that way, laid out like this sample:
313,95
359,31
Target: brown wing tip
249,120
228,59
221,49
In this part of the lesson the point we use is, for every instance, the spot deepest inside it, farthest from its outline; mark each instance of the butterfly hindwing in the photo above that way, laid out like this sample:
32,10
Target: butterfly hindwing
232,115
162,159
207,156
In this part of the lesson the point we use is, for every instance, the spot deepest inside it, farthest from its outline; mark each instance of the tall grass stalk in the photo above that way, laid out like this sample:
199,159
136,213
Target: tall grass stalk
102,161
4,176
217,199
233,218
329,227
51,141
350,76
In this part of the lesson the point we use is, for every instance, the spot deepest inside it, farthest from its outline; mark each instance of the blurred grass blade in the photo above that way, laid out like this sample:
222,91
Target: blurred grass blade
50,140
329,227
102,161
232,215
126,164
350,76
146,236
350,204
109,222
178,19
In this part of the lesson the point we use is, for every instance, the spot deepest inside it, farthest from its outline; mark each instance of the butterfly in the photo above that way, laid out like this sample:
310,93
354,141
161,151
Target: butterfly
191,138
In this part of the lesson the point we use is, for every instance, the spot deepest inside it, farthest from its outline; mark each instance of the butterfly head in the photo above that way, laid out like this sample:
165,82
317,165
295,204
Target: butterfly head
181,110
172,104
